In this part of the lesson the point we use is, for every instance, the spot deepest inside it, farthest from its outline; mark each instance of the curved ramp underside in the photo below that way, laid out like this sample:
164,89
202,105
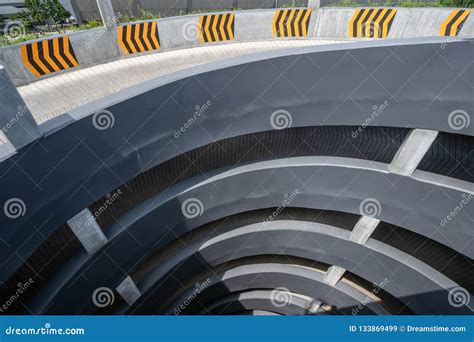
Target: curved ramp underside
321,180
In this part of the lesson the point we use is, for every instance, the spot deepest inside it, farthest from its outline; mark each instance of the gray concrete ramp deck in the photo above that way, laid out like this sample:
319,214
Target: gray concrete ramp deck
56,95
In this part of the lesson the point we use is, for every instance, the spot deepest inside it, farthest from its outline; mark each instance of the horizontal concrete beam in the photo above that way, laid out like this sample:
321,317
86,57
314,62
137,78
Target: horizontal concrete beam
128,290
333,275
314,307
363,229
412,151
87,231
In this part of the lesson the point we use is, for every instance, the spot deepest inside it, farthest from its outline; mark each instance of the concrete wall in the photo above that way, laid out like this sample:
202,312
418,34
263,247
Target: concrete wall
408,22
95,46
91,47
332,22
100,45
416,22
253,25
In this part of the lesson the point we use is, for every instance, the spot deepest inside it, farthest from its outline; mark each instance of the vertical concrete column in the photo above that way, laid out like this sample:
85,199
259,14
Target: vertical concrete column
314,4
107,13
189,6
72,8
16,120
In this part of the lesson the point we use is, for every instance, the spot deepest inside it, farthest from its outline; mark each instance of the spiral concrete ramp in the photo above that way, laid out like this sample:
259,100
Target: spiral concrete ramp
315,180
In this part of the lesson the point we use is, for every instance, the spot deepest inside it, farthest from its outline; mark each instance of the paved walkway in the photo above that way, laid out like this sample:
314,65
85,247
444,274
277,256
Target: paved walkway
58,94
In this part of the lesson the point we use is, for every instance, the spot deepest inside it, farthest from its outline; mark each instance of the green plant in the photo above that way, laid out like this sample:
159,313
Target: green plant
147,15
25,18
4,40
46,12
346,3
88,25
458,3
407,3
293,4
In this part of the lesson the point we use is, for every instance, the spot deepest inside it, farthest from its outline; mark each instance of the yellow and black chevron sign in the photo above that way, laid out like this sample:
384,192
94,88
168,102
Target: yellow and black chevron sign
216,27
139,37
291,22
371,22
48,56
453,24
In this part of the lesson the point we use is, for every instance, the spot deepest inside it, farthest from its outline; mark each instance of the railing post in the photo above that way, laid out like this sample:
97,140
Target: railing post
189,6
107,13
314,4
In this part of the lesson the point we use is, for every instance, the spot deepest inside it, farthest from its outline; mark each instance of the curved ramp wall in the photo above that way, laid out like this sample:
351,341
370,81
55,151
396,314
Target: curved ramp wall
404,23
100,45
